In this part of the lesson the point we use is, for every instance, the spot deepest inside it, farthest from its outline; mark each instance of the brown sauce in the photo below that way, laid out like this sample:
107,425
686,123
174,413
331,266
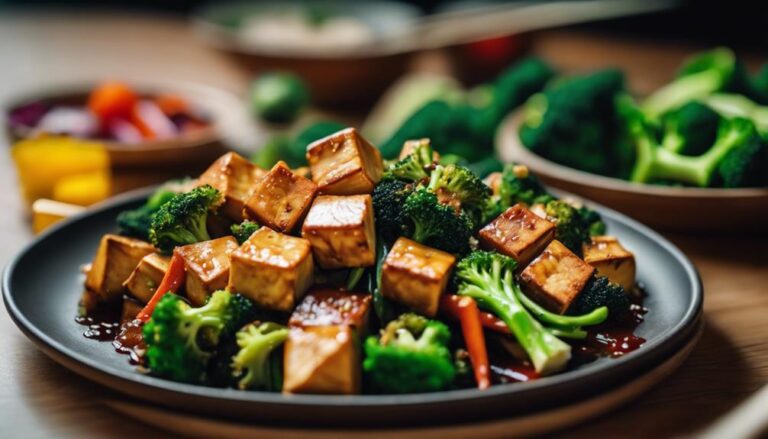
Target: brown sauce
103,324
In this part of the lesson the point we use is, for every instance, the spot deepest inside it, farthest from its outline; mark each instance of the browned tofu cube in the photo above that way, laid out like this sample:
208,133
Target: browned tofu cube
611,260
145,278
280,199
272,269
341,231
517,233
344,163
415,275
115,260
131,308
556,277
234,177
322,359
327,307
207,265
410,145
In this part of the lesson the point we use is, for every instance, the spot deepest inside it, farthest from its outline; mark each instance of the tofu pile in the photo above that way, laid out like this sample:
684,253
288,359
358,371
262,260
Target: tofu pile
327,222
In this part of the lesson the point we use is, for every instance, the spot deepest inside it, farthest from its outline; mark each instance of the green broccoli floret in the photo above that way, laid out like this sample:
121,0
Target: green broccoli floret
570,228
278,96
592,220
488,278
600,292
388,199
736,138
136,223
732,105
411,356
252,362
460,184
181,339
182,220
415,167
244,230
519,185
717,70
437,225
690,130
574,123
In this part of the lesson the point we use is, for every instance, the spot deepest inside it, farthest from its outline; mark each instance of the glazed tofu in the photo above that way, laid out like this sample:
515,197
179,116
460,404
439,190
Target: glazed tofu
329,307
410,145
234,176
145,278
341,231
611,260
344,163
272,269
322,359
280,199
115,260
556,277
517,233
207,265
415,275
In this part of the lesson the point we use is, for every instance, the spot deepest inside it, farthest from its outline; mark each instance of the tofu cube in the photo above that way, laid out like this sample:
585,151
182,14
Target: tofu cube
611,260
556,277
322,359
410,145
115,260
130,309
416,276
145,278
234,176
344,163
280,199
341,231
207,265
272,269
329,307
517,233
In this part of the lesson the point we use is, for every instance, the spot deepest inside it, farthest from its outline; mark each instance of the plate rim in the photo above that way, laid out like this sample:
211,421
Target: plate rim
124,381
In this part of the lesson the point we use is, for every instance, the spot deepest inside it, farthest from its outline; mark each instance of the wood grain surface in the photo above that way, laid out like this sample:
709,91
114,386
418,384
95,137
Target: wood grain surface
41,399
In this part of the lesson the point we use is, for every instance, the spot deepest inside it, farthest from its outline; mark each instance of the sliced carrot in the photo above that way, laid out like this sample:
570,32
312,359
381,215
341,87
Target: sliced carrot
465,310
172,281
112,99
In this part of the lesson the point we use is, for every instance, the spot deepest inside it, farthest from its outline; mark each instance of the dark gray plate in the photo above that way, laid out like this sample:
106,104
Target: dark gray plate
42,285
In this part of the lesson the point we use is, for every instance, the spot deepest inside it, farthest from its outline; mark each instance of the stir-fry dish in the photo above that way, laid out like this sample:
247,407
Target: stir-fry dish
358,276
706,128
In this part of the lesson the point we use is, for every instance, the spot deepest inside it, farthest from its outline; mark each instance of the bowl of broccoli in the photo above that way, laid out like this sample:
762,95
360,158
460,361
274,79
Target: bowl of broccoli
691,156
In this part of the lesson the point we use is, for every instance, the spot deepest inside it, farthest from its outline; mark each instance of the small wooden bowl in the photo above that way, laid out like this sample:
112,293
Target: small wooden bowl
679,209
225,112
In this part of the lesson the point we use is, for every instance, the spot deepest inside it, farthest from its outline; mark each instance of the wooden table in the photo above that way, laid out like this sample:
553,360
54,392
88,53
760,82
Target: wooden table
39,398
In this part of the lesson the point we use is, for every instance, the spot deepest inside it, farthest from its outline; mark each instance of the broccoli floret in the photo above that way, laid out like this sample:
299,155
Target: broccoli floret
745,166
519,185
415,167
182,220
244,230
136,223
574,123
411,356
278,96
252,362
388,199
691,129
706,73
181,339
437,225
570,228
736,138
731,105
600,292
488,278
592,220
459,183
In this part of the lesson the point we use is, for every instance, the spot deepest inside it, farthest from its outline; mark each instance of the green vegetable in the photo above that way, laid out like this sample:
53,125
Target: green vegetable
136,223
252,362
244,230
415,167
600,293
437,225
411,356
489,279
731,105
388,199
460,184
737,158
717,70
571,229
519,185
181,340
278,97
182,219
691,129
293,150
574,123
